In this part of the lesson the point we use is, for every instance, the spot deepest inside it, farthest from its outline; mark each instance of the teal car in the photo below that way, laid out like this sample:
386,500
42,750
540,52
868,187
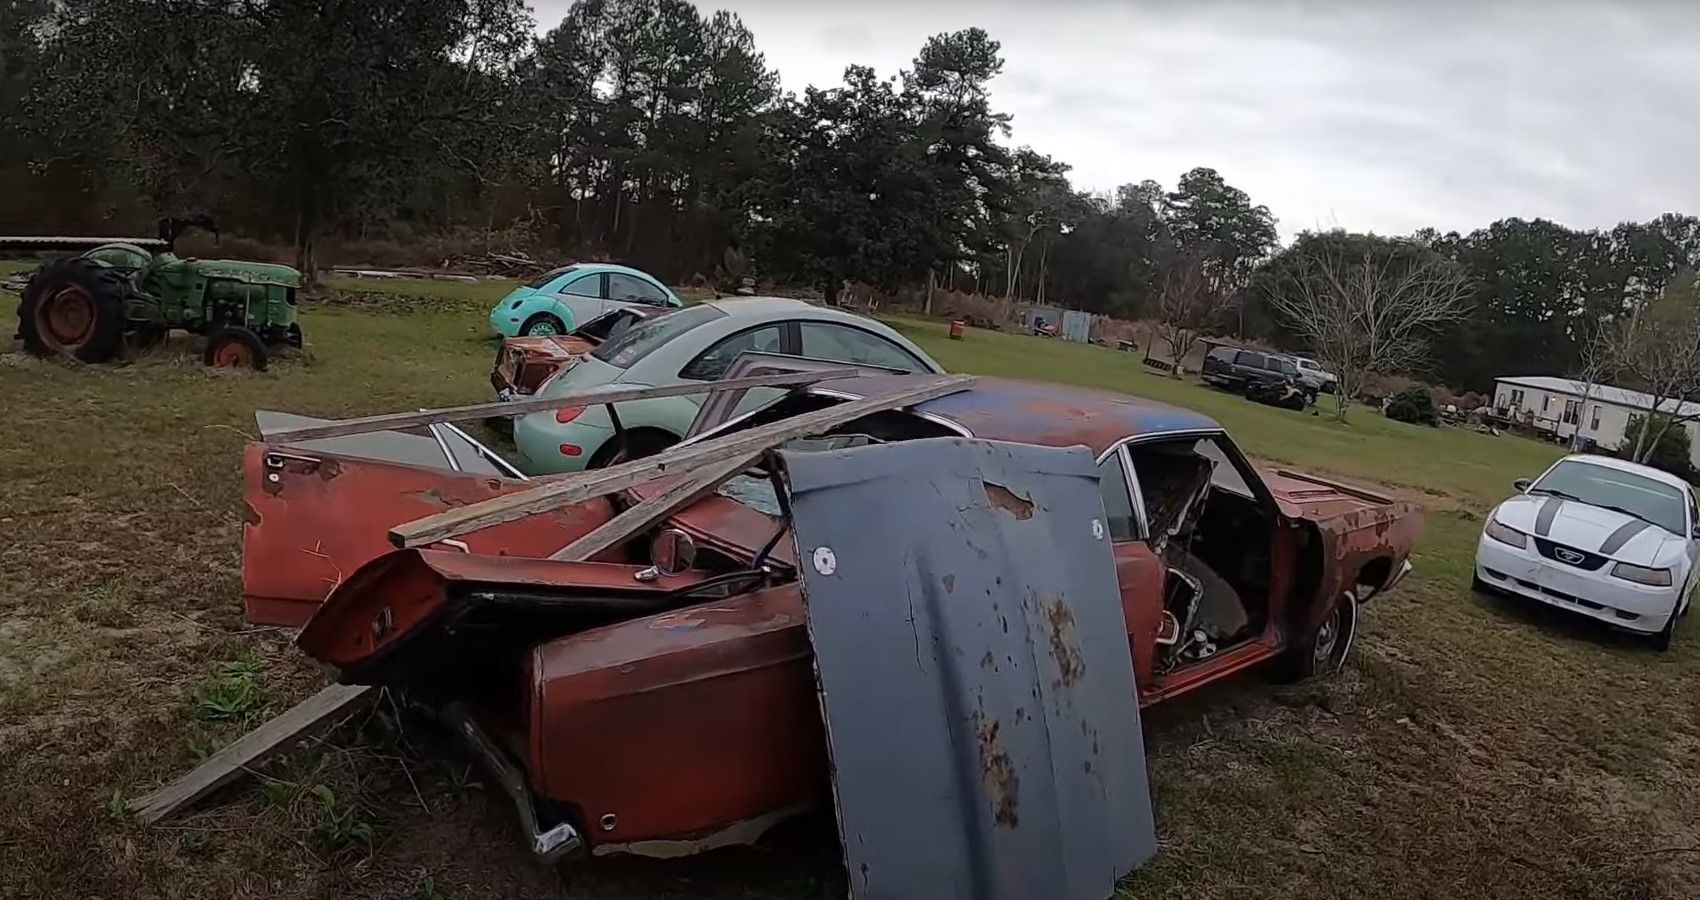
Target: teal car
695,344
557,301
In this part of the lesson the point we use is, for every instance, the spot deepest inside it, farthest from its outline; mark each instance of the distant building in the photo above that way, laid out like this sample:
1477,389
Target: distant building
1556,405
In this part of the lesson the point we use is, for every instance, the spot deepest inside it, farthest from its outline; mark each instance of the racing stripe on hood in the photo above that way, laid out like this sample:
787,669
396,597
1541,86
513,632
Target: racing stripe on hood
1549,511
1623,534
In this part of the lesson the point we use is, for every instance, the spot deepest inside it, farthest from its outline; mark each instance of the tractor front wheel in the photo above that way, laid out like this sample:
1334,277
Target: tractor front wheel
74,307
235,348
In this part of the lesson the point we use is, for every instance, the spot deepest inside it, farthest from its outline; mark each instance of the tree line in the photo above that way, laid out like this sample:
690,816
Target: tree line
654,133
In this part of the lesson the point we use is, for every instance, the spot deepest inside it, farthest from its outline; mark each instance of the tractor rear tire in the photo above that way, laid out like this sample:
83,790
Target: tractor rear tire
235,348
74,307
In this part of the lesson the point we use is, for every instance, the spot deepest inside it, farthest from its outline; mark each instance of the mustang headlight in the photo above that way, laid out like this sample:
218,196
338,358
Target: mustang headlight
1505,534
1642,574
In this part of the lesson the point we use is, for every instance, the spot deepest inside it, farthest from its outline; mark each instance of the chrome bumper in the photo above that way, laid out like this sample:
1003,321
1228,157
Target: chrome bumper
550,845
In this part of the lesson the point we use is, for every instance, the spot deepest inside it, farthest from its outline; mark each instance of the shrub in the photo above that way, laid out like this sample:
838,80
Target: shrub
1413,405
1671,453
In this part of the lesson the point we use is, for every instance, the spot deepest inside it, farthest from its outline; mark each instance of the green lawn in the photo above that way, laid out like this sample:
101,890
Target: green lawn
1472,748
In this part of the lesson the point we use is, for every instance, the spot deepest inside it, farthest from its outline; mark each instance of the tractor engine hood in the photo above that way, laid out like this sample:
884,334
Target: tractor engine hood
247,272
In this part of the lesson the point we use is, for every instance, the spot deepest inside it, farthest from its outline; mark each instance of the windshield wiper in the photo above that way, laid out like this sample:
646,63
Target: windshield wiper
1616,509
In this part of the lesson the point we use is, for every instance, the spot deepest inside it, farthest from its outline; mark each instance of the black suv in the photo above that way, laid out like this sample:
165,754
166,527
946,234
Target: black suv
1267,377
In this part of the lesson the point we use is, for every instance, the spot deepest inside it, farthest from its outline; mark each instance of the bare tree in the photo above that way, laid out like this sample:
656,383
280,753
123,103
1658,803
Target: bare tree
1600,358
1371,314
1660,347
1191,303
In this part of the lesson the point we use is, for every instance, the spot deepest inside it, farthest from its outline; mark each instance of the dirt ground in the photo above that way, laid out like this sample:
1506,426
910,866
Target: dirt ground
1473,747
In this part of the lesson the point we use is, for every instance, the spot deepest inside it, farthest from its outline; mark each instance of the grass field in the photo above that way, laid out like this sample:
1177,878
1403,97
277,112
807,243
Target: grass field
1473,747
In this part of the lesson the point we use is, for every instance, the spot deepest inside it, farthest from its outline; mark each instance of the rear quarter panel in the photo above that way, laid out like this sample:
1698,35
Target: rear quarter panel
1357,530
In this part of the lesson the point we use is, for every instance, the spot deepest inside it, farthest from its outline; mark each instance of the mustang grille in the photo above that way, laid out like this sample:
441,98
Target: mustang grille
1570,556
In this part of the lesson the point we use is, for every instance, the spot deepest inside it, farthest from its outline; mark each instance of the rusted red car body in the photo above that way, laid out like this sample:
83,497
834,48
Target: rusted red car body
524,363
663,729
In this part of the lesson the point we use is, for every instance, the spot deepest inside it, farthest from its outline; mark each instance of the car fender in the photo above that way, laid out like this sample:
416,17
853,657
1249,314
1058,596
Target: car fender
539,302
670,414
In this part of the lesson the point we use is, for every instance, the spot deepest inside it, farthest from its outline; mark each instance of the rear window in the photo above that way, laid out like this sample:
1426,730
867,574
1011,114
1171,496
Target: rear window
1248,358
639,341
549,276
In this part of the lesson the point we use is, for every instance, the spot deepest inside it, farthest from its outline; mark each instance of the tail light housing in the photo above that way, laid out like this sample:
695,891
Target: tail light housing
568,413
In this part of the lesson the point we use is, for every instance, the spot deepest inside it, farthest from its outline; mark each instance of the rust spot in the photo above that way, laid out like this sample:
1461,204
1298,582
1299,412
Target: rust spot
1059,620
329,469
1005,499
997,772
250,515
436,498
950,584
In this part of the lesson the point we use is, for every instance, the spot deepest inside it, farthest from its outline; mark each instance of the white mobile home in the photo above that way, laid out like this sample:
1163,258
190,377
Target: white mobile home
1557,405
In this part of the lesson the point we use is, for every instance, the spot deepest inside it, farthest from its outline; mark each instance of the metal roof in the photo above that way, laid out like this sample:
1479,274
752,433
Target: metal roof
1055,415
1605,393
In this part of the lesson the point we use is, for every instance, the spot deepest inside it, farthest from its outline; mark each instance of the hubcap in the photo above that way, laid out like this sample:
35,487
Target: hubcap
540,328
66,319
1326,637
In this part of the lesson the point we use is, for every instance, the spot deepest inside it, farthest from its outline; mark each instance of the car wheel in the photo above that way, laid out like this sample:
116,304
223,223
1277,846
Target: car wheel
1324,650
639,443
542,324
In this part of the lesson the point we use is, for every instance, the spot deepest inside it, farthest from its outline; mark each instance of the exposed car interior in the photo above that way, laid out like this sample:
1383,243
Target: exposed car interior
1210,529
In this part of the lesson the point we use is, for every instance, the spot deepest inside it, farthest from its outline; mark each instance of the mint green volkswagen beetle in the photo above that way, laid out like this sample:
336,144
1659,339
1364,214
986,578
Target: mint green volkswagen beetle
560,300
695,344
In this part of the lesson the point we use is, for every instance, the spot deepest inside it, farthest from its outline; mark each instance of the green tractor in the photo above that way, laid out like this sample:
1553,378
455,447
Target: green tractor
89,305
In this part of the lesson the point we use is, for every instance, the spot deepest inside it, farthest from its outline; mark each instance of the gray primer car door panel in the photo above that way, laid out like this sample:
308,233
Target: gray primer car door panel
973,664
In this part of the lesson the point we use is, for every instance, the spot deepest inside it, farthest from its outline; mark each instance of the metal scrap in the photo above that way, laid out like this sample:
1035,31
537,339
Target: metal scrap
984,573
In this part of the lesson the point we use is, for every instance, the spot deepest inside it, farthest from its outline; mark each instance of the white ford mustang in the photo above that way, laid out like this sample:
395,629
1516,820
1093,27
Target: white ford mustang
1606,538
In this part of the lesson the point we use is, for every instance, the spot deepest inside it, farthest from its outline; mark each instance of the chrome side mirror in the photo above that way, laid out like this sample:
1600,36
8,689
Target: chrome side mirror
1522,485
673,552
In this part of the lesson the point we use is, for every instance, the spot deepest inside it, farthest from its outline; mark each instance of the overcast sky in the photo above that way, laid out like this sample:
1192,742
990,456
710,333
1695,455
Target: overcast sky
1368,115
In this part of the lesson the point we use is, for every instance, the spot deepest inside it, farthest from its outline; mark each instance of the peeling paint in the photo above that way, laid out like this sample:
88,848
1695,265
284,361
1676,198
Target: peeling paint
998,773
1005,499
1059,625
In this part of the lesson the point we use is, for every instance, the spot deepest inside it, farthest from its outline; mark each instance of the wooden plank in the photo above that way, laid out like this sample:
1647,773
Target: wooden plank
317,712
656,508
385,421
599,482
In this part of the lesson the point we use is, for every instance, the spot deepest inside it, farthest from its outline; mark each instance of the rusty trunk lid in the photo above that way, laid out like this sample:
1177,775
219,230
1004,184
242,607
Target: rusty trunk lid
973,664
312,517
1307,496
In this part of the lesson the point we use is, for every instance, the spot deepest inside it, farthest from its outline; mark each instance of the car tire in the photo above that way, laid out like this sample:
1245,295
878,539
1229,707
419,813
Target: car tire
542,324
1324,650
640,442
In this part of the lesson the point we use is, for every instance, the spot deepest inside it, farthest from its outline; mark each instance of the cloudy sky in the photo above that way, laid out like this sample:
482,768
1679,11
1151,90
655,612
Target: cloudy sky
1368,115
